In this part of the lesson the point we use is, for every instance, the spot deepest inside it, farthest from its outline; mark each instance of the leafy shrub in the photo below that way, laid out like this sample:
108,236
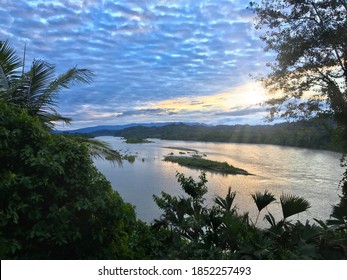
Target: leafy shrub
191,230
54,204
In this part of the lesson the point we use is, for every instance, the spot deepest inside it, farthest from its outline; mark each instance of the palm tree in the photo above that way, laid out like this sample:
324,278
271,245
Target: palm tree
227,202
293,204
37,89
262,200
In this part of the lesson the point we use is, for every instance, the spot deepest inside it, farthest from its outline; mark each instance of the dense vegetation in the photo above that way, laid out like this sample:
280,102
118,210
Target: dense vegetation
316,134
135,140
191,230
54,204
309,74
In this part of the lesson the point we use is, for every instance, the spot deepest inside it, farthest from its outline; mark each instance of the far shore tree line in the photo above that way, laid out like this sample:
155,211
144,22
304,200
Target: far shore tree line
314,134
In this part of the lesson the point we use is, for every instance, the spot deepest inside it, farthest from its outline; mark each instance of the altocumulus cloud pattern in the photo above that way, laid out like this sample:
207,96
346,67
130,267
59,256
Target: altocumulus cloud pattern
173,60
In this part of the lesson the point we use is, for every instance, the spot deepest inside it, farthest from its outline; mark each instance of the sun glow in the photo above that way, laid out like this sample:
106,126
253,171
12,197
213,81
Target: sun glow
250,94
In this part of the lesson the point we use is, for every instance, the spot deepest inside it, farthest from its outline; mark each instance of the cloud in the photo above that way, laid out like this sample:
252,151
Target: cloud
242,112
142,112
142,52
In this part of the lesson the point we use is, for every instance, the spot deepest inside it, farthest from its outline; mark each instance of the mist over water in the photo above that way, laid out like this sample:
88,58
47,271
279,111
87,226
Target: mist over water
313,174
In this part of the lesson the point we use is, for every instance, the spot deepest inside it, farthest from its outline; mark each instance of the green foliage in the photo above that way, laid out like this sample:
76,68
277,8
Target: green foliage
54,204
338,217
100,149
9,63
135,140
227,202
309,38
292,204
129,158
309,76
316,133
197,162
262,200
190,230
193,189
37,91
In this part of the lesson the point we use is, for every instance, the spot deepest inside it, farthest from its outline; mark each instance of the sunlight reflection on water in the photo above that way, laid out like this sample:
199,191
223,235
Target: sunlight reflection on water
312,174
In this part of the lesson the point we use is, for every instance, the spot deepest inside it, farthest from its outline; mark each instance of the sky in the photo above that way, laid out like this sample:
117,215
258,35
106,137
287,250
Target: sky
154,61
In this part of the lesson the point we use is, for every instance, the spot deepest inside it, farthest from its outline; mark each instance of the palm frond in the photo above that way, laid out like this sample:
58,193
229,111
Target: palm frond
37,89
70,78
226,202
35,82
49,119
9,61
338,217
100,149
271,219
3,81
263,199
292,204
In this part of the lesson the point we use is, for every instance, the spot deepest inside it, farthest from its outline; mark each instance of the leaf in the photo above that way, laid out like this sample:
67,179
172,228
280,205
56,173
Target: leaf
226,202
9,62
292,204
263,199
270,218
101,149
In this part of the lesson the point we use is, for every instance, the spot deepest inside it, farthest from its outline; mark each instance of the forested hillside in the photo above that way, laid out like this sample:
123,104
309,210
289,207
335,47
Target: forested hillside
309,134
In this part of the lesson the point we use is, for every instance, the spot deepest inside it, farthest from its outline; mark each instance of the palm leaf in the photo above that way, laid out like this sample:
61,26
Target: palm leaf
40,88
35,81
100,149
70,78
48,119
339,215
292,204
37,89
226,202
263,199
9,62
271,219
3,80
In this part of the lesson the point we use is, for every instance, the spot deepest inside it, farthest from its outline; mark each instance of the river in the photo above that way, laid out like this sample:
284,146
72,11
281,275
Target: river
313,174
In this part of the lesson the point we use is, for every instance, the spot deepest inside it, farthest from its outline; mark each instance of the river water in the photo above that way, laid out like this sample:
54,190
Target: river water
313,174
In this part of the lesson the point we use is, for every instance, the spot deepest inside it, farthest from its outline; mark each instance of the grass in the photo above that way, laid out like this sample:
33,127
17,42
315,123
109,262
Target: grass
205,164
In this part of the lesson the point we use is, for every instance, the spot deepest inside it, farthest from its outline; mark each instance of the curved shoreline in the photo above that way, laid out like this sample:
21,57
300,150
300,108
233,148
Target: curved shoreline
182,149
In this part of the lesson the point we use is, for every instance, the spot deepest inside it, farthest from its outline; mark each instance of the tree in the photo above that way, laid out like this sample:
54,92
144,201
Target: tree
54,203
310,71
309,75
37,89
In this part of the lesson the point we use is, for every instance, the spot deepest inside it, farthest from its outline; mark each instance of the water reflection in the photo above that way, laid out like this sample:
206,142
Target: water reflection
309,173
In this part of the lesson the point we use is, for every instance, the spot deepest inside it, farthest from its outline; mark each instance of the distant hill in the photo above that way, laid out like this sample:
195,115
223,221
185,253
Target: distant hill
314,134
106,129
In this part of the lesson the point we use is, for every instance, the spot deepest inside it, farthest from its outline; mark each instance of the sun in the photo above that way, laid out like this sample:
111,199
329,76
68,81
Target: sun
249,94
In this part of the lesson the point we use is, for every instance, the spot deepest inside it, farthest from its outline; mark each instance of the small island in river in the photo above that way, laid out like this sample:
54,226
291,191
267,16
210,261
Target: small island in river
135,140
205,164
